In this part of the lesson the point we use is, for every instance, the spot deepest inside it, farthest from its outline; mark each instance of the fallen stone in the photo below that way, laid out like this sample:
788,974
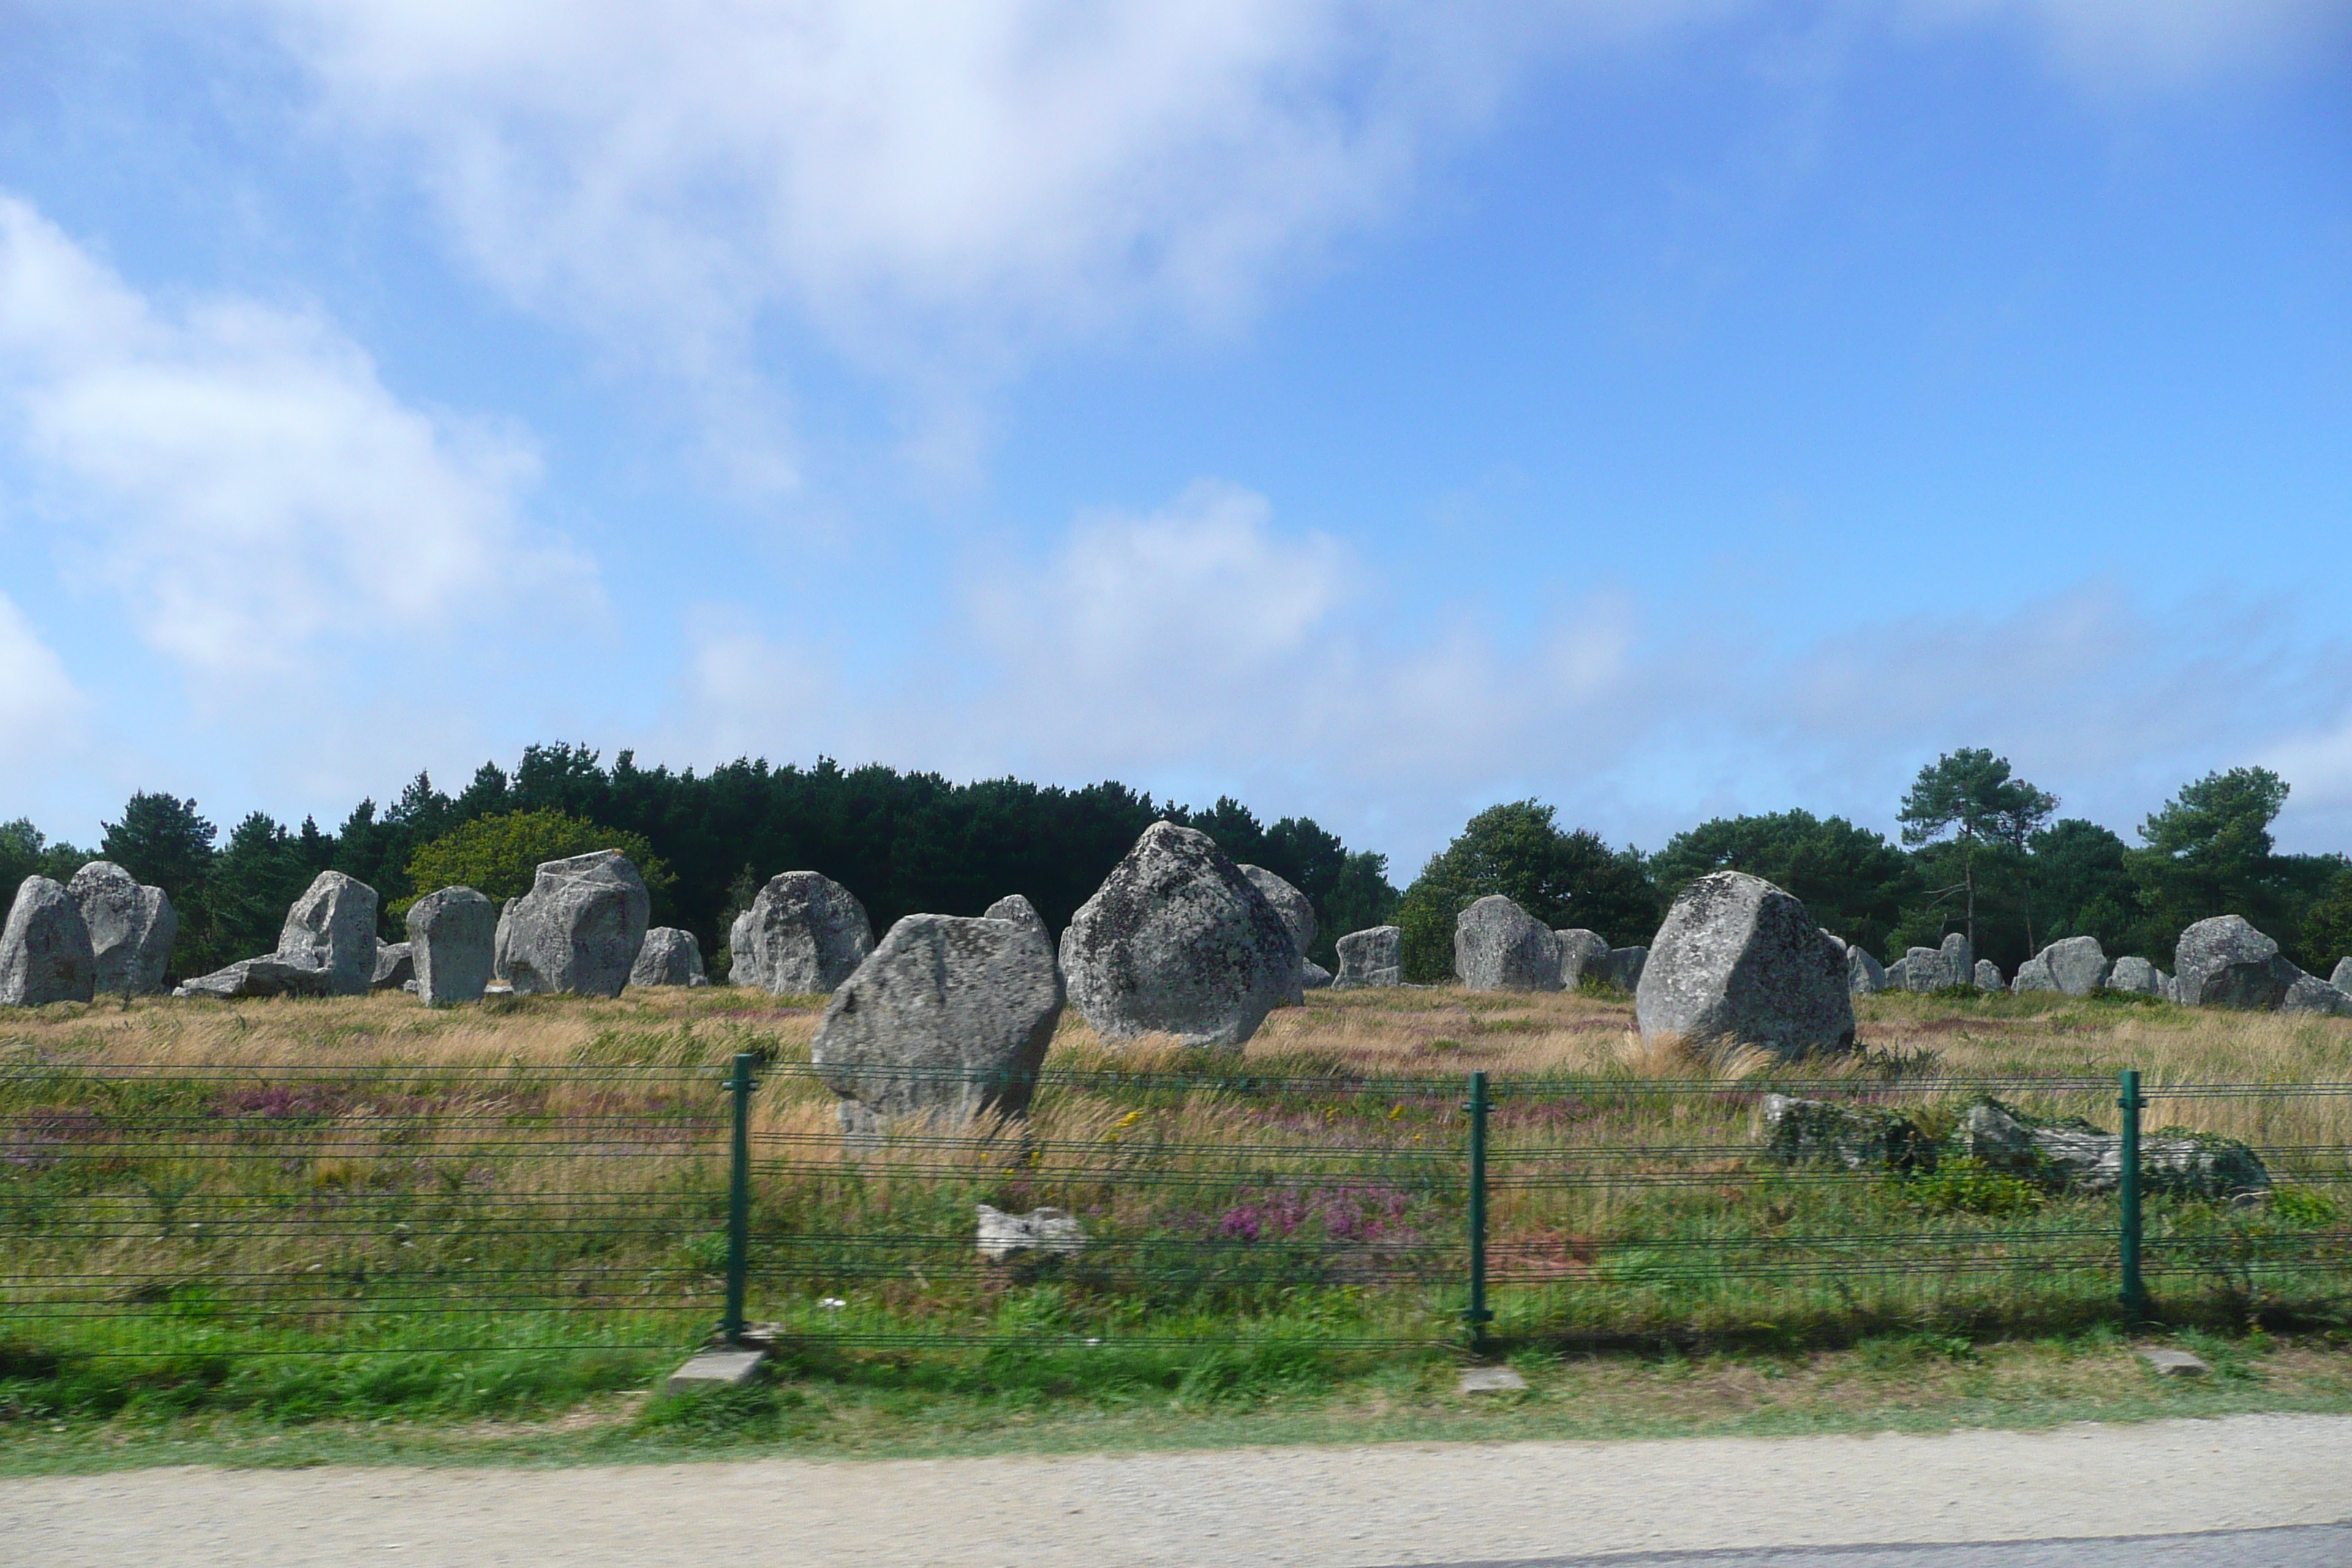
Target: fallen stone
1040,1230
803,936
1857,1137
1622,967
1177,941
1490,1380
1498,946
1988,976
669,957
2170,1363
2226,962
267,975
721,1366
1371,960
332,927
45,953
950,1018
2075,1154
2136,977
451,934
1739,960
578,931
1582,952
131,929
395,965
2310,994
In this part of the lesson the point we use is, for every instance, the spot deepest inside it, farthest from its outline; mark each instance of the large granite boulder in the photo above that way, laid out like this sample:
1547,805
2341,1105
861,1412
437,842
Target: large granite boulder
1739,960
2075,966
1177,941
1622,967
1582,952
45,953
950,1018
669,957
579,928
332,927
1372,959
2226,962
1988,976
451,935
1296,911
396,967
1864,975
1498,946
131,928
267,975
803,935
2137,977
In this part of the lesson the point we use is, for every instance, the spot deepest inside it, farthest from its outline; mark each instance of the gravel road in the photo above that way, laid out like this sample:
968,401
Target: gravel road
1331,1508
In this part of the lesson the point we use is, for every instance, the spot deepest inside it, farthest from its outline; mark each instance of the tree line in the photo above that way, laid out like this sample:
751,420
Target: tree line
1980,851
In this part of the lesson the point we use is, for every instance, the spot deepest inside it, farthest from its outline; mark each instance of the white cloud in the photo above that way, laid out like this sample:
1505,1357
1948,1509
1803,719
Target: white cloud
241,474
40,710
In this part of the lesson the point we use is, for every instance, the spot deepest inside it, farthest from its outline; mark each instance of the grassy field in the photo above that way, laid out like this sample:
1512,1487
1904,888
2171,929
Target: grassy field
290,1229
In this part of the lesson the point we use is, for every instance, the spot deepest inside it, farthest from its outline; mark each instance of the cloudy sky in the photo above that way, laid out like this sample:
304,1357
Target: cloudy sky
1665,407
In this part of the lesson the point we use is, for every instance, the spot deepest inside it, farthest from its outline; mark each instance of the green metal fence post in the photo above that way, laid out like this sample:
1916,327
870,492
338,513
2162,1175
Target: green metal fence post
2135,1292
739,1199
1477,1316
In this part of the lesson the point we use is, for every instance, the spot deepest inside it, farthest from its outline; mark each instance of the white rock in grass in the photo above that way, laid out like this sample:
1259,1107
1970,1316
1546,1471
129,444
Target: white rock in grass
1040,1230
131,928
450,936
1498,946
1739,960
45,954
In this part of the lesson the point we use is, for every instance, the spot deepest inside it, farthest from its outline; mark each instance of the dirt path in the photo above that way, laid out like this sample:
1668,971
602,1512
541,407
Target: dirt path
1344,1508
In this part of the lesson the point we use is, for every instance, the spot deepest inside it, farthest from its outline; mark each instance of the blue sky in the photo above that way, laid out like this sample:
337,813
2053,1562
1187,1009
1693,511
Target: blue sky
1372,410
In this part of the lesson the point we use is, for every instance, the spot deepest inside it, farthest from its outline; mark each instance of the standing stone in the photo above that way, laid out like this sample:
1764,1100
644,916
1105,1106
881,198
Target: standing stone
2136,976
1021,912
803,936
451,934
1988,976
1582,952
1960,960
1177,941
1371,960
1298,913
45,954
1739,960
1498,946
669,957
948,1017
1622,967
1864,975
396,967
2341,978
579,928
332,927
131,928
2078,965
2226,962
2033,974
502,971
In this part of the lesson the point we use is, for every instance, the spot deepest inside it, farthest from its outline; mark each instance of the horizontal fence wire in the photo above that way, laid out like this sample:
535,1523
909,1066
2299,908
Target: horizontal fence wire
154,1212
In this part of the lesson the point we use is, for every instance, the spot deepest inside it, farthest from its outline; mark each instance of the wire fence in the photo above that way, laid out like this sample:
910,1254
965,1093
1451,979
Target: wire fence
422,1211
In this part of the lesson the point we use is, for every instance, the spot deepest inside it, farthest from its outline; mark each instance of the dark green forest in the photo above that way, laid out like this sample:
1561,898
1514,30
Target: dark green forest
1981,851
